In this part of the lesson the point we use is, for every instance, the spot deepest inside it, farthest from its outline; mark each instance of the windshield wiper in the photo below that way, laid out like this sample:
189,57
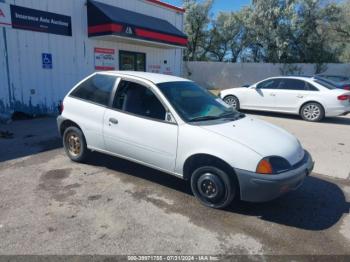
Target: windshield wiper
204,118
232,115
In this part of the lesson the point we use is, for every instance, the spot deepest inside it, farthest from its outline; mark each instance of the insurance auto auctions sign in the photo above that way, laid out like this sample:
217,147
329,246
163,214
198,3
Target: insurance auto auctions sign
104,59
40,21
5,15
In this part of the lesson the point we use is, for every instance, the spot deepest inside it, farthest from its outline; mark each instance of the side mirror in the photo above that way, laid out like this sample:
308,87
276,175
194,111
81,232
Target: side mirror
169,117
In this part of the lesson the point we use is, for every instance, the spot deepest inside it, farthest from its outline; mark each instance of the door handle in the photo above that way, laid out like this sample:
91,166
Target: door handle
300,96
113,121
272,94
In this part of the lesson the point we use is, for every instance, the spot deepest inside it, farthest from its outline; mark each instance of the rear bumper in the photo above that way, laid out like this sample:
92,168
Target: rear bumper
339,111
261,188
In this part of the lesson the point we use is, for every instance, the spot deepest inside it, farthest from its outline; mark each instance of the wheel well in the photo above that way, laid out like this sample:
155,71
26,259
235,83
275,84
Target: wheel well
198,160
310,102
67,123
230,95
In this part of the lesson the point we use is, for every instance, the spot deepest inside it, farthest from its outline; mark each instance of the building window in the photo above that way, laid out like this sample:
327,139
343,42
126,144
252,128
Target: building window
132,61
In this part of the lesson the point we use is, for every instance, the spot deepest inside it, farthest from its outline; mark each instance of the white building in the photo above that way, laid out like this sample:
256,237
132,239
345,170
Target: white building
46,46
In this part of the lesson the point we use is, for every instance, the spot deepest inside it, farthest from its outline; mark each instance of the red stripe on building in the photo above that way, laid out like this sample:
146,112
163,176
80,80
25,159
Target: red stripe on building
161,37
178,9
103,68
114,28
4,23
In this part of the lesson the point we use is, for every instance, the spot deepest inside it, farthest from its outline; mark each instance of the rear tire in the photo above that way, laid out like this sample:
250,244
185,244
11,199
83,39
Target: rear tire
312,112
213,187
74,144
232,101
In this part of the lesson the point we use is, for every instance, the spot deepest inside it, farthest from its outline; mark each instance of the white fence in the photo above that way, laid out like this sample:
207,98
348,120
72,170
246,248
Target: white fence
216,75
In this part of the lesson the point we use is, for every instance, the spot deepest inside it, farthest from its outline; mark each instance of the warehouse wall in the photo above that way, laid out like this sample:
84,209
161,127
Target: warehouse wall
38,90
215,75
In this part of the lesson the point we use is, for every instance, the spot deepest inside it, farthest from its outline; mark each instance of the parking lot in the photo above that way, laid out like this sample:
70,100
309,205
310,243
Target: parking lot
50,205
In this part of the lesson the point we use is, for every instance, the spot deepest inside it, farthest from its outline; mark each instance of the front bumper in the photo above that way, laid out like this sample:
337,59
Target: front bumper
261,188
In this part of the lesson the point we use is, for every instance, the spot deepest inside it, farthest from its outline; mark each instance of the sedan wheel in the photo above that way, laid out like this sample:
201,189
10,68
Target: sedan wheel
232,101
212,187
312,112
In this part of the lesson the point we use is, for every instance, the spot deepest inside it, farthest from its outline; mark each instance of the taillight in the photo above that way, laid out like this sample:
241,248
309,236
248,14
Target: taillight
343,97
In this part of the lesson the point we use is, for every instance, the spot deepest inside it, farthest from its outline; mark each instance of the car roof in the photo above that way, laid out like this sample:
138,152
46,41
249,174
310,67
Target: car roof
293,77
153,77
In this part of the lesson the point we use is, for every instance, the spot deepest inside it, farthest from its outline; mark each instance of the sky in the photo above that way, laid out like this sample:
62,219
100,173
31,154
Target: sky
219,5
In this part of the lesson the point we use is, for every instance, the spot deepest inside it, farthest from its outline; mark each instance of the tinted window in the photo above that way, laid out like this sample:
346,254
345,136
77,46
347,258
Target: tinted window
326,84
139,100
292,84
310,87
269,84
96,89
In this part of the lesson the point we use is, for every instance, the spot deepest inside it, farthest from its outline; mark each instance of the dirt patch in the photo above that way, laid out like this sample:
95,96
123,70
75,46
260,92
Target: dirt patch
52,182
94,197
56,174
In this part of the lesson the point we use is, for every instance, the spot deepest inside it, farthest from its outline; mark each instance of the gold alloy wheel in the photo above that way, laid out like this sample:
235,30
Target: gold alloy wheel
73,143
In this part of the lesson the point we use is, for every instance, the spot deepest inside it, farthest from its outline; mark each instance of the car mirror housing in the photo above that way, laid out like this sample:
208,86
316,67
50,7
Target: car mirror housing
169,117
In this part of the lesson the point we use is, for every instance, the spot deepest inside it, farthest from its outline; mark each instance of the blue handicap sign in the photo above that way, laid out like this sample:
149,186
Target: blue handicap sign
46,60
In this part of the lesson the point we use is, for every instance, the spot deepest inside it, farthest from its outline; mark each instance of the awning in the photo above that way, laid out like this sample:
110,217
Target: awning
107,20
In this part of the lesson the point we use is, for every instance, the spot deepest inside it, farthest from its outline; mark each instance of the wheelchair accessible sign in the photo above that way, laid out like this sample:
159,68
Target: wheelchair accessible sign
46,60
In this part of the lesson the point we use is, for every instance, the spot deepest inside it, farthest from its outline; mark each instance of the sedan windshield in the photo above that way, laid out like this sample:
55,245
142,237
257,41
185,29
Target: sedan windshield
194,103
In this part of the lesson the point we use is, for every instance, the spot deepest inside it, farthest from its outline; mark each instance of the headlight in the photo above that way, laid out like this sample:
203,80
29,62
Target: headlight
272,165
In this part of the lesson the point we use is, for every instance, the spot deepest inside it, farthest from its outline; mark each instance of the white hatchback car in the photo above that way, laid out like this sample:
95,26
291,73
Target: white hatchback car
173,125
308,97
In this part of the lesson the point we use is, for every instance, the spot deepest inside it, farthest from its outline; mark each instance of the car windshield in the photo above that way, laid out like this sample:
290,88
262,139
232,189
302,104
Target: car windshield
195,104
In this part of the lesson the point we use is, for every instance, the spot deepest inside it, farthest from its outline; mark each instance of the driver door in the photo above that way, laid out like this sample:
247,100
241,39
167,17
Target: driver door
135,127
262,96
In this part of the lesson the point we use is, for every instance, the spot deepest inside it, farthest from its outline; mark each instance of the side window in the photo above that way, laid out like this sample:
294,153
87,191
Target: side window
269,84
310,87
293,84
139,100
96,89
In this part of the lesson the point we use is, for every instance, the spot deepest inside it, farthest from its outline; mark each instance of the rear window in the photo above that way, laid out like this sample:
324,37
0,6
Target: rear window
96,89
325,84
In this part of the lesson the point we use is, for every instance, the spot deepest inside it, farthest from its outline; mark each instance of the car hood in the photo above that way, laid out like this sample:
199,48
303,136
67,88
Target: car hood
261,137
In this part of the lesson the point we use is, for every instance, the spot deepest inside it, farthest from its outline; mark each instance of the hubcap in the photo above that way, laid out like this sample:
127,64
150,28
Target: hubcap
73,144
311,112
210,186
231,102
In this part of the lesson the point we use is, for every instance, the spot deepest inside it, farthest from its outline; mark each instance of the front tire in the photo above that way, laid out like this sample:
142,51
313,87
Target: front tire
312,112
74,144
232,101
213,187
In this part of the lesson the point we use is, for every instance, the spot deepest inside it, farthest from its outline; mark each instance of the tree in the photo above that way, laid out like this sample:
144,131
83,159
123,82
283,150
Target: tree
272,31
197,19
341,30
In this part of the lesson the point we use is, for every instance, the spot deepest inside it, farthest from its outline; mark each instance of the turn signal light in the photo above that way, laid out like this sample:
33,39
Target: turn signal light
264,167
343,97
